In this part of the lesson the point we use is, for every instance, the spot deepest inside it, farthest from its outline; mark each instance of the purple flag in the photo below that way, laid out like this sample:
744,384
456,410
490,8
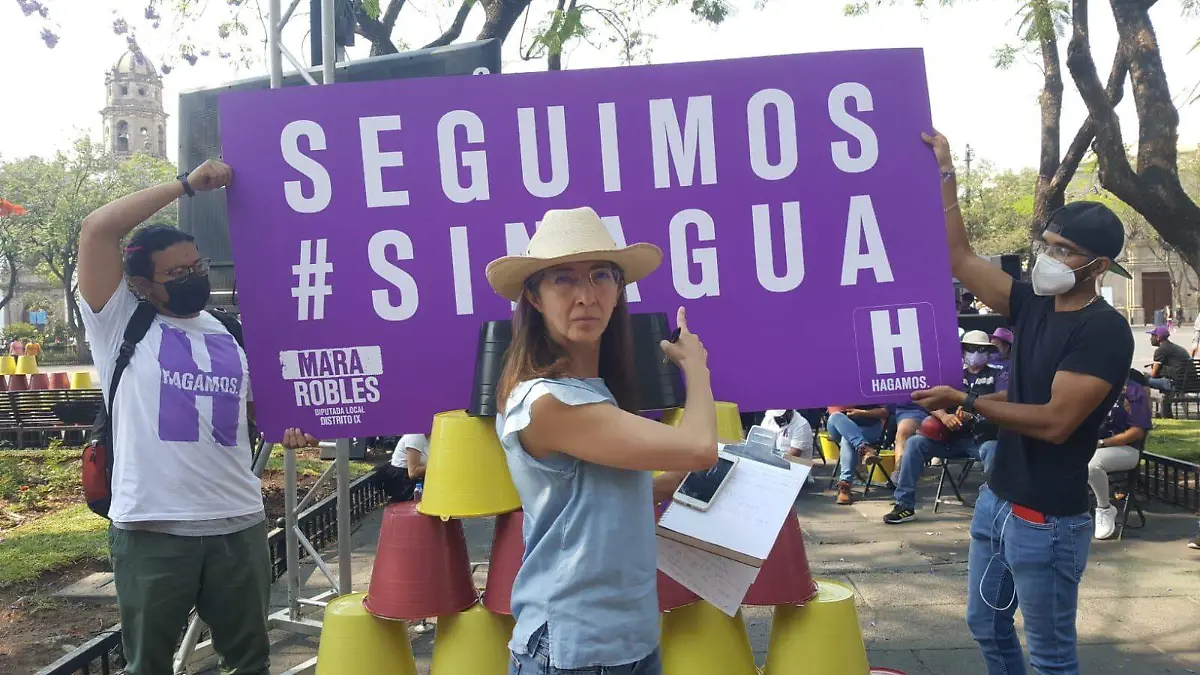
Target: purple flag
798,210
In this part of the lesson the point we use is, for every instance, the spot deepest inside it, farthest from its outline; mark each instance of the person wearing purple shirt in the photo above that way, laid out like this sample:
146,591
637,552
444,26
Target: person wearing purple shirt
1121,438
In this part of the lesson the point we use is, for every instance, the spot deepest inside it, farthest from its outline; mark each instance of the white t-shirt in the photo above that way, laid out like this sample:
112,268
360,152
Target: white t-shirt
796,435
418,442
180,434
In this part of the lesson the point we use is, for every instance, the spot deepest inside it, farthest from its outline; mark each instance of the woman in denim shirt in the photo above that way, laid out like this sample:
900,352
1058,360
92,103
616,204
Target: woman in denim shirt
585,598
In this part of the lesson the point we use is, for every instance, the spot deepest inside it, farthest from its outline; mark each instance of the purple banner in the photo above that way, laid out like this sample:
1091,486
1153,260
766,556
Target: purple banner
798,210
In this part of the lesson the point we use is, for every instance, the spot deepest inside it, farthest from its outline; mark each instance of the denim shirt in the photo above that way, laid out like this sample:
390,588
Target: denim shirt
589,570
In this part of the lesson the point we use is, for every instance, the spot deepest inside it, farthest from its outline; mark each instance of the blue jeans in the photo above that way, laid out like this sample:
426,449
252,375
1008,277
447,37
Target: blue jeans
919,450
850,436
1161,383
1036,565
537,662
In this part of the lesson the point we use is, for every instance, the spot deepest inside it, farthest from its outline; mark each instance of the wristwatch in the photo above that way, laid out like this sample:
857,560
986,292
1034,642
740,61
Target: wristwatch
969,404
187,187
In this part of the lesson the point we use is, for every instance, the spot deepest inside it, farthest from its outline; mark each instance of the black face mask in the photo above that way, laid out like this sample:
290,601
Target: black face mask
188,295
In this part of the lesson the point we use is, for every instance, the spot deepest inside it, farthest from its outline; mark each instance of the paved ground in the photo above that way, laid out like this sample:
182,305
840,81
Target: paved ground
1139,613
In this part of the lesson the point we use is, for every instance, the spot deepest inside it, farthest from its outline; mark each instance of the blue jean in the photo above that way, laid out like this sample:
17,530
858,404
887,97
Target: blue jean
537,662
1161,383
919,450
1038,566
850,437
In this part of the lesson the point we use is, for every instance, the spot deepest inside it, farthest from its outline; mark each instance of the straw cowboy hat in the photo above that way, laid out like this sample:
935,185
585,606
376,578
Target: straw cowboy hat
977,338
567,236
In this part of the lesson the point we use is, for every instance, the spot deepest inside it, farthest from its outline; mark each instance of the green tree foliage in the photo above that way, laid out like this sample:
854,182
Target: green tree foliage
996,207
58,193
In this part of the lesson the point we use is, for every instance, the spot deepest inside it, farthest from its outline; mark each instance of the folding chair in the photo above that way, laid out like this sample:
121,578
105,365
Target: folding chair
1124,485
956,484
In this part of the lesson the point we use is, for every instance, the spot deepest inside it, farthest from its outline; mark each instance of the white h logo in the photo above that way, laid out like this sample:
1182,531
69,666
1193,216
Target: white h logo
907,340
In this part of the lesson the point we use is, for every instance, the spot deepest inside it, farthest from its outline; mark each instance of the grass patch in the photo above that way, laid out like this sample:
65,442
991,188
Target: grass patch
54,541
37,480
1175,438
309,463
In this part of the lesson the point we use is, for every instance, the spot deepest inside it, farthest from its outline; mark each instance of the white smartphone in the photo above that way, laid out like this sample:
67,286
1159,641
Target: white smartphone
701,488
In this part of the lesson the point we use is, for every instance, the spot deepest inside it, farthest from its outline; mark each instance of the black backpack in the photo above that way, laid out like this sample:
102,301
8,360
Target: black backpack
98,454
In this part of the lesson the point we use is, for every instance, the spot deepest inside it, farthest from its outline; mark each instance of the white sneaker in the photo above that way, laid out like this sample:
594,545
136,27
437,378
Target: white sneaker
1106,522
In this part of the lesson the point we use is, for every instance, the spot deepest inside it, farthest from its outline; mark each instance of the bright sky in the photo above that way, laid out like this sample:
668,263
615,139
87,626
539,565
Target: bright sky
52,93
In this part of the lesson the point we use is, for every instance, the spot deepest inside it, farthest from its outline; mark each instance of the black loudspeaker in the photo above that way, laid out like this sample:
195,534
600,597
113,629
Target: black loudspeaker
660,385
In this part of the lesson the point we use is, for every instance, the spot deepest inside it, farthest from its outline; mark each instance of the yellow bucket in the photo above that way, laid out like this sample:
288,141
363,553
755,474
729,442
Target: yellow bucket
467,475
27,365
8,365
729,421
355,643
699,639
821,637
473,642
81,380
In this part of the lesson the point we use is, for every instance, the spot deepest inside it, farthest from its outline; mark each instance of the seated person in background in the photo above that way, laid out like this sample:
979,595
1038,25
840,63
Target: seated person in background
794,435
1121,438
908,418
1171,362
966,304
407,468
854,429
961,435
1002,339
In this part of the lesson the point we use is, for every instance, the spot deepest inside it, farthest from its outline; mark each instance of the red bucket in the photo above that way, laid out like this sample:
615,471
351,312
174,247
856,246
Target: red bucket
785,578
508,549
39,381
18,382
60,381
421,567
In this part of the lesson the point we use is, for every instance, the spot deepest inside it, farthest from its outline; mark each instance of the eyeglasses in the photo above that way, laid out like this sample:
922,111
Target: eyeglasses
1055,251
200,268
976,349
603,279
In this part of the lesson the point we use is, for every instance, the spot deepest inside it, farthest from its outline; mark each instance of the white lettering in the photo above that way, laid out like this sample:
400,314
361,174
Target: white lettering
610,156
793,248
706,258
868,143
668,141
290,147
377,255
756,118
907,340
460,260
531,172
375,160
860,224
475,161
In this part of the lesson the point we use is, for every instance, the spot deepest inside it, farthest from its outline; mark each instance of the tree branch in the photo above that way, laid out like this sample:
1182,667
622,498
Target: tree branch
379,31
1115,91
456,27
501,16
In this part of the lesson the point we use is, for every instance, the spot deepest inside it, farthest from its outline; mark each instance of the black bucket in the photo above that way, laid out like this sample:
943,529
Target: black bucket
660,384
494,337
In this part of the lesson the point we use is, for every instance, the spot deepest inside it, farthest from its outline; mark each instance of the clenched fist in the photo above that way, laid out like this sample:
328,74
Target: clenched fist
210,175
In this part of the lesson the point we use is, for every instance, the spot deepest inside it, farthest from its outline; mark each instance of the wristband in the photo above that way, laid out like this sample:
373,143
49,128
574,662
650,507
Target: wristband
969,404
947,175
187,187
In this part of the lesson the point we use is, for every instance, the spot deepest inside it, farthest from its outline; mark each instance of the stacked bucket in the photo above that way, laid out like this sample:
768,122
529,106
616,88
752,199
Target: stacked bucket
422,568
814,627
22,374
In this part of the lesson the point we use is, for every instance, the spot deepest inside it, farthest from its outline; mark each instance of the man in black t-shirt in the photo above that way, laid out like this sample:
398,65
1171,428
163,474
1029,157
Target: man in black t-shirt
1031,531
1172,363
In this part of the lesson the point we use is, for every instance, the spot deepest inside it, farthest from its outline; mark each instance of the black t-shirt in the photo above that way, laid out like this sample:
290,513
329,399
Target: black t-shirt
1093,341
1175,360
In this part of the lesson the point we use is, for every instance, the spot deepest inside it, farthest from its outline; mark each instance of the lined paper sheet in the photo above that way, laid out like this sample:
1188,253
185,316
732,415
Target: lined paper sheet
720,581
747,514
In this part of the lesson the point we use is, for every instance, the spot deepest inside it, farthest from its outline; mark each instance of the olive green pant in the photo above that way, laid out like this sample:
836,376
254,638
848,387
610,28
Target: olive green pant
159,579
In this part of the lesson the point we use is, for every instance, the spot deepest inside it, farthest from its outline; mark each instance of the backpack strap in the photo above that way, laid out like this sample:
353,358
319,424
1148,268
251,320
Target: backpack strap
231,324
139,324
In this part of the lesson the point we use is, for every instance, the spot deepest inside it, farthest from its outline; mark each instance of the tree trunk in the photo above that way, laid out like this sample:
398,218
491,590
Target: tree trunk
1047,200
501,16
455,30
554,58
379,31
1153,189
11,289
